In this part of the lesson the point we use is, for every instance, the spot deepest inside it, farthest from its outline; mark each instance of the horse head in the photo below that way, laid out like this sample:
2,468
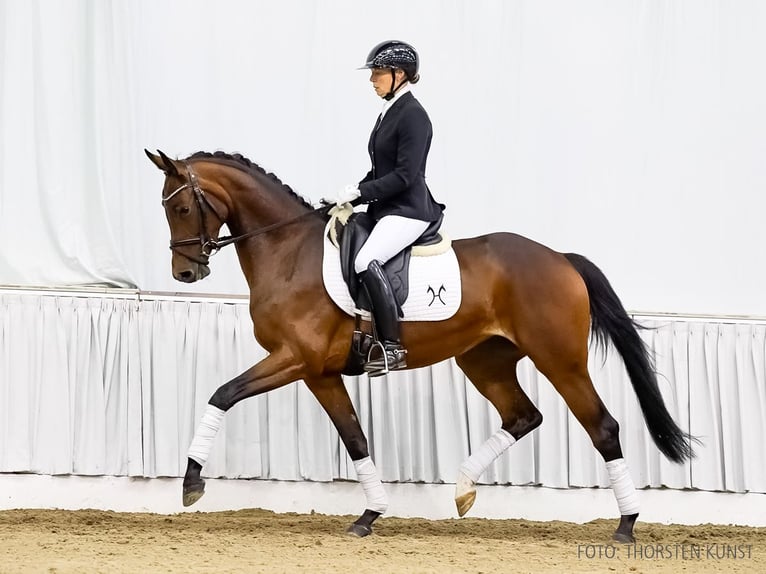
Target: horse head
194,216
206,190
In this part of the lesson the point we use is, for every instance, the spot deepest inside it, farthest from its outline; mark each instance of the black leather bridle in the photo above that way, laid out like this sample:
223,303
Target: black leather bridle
210,245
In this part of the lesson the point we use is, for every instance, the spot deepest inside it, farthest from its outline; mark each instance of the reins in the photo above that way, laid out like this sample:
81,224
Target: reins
229,239
208,245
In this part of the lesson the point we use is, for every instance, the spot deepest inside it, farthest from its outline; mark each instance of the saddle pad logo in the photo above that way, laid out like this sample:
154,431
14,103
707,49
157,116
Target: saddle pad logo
434,293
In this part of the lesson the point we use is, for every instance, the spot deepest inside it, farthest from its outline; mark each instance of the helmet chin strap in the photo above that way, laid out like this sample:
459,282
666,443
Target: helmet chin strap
394,88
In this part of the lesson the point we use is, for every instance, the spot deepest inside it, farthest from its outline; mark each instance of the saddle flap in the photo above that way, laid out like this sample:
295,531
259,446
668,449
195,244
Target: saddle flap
351,237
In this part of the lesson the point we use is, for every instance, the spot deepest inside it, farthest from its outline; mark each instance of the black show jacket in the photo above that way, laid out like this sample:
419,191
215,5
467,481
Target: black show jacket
398,148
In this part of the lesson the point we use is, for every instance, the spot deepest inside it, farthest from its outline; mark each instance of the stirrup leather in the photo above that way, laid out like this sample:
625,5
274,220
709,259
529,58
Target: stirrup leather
390,357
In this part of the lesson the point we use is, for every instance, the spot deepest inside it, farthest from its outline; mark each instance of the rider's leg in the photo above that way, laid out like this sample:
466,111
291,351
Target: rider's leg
389,236
381,296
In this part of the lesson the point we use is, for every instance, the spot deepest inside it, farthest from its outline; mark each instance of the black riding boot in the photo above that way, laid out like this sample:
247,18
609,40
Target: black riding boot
388,355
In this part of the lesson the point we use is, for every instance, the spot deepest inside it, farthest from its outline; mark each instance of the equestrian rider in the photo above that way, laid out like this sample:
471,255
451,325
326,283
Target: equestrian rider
395,189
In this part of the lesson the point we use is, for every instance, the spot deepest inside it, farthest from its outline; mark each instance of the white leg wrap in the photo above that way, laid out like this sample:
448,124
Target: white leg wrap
622,485
367,474
206,431
487,453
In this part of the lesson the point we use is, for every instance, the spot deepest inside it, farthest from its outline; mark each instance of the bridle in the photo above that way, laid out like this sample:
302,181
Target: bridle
211,245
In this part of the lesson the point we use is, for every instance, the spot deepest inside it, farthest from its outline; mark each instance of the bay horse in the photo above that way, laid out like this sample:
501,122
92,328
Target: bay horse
519,298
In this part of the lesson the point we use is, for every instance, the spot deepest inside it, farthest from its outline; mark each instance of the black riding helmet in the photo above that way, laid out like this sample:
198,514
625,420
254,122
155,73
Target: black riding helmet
394,54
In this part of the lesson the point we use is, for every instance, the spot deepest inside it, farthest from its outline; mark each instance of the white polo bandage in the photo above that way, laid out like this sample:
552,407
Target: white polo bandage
205,435
367,475
486,454
622,486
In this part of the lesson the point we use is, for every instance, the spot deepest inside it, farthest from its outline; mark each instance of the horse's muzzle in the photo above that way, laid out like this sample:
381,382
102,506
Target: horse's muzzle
194,273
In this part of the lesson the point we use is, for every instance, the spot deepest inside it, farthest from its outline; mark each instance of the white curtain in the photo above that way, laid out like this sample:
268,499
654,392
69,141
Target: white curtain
55,201
633,132
116,386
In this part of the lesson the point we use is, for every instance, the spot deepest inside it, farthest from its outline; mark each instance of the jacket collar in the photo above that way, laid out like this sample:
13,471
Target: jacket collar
405,89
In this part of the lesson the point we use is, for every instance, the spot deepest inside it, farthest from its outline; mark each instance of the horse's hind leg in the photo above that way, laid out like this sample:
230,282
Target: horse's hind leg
572,381
332,395
491,367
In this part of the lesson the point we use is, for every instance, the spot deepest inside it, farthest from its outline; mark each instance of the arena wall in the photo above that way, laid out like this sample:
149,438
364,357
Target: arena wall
110,384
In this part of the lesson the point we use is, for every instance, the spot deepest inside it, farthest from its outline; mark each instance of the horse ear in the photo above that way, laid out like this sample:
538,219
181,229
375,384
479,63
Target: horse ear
155,159
170,165
162,162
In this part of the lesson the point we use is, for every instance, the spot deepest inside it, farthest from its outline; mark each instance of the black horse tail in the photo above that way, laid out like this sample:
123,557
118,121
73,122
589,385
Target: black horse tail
610,321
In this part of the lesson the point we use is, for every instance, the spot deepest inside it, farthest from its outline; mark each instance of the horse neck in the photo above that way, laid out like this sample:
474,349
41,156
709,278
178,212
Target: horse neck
257,203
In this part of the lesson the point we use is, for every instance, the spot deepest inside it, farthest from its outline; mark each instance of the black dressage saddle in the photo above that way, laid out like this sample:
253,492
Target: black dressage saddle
352,236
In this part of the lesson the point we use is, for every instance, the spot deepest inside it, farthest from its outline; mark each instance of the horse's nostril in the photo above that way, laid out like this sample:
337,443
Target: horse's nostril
186,275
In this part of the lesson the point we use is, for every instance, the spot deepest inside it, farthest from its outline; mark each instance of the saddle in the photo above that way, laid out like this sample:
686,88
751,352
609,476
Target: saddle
350,232
352,236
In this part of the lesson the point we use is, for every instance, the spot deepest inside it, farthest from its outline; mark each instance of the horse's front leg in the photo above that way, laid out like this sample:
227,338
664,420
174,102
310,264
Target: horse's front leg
276,370
332,395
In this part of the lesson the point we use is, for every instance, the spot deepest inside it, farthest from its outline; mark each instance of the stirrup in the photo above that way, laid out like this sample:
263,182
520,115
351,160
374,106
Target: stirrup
391,358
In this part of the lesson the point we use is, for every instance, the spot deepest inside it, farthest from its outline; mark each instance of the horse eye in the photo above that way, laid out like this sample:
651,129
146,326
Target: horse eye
184,210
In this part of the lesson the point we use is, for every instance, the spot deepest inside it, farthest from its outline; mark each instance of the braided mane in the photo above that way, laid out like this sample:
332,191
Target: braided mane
241,162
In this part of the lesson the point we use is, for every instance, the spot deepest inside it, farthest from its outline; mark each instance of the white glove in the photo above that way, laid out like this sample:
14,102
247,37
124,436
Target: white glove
346,195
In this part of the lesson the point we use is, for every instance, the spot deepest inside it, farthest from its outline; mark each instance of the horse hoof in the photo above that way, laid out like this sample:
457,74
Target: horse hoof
624,532
623,538
193,494
358,530
465,502
465,493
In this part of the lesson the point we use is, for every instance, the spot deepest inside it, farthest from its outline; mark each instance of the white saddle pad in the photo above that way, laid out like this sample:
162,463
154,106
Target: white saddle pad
434,293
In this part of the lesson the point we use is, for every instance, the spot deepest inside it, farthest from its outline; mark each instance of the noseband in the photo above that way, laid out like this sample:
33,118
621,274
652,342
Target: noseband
210,245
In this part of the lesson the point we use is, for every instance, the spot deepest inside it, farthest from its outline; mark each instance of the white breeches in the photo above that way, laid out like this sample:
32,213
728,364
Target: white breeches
389,236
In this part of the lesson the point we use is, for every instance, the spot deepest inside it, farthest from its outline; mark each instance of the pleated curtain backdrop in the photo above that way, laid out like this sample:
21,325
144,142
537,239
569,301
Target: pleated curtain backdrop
116,386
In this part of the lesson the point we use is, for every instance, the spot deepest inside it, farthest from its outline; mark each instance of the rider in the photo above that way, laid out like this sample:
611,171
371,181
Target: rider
395,188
